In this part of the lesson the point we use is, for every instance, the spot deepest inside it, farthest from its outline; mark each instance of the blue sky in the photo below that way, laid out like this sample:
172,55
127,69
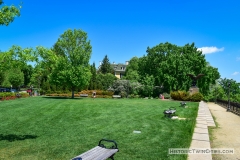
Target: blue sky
123,29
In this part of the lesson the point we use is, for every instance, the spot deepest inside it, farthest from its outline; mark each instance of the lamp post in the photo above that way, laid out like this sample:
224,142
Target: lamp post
215,95
229,85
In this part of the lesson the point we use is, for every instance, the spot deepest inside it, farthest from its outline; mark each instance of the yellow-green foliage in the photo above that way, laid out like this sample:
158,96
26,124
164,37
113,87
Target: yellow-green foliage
11,96
180,95
99,93
23,95
196,97
185,96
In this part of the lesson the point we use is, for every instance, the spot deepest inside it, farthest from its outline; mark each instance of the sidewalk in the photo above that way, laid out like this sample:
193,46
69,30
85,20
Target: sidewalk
200,137
227,134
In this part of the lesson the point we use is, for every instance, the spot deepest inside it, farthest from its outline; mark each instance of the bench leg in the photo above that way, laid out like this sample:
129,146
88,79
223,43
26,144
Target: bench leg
112,157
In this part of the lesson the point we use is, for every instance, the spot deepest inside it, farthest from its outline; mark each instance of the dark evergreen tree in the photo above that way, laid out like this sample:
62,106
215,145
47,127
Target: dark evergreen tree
93,80
105,66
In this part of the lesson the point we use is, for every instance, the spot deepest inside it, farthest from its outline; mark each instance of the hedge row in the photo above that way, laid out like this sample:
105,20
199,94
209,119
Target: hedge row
98,92
10,95
185,96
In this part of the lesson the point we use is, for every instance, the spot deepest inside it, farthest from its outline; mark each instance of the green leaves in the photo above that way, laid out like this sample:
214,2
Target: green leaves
70,56
8,14
169,65
105,66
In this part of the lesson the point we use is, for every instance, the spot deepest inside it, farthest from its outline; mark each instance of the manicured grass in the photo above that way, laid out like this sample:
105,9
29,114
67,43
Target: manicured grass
60,128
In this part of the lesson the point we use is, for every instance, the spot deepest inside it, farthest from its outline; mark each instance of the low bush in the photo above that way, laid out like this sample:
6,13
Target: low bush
180,95
185,96
166,95
99,93
11,96
196,97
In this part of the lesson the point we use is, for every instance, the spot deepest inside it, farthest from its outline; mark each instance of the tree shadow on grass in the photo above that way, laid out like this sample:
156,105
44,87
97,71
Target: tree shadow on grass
59,97
14,137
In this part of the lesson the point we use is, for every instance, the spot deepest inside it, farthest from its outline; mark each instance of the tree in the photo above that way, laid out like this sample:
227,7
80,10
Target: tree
169,65
125,87
120,87
234,86
8,14
16,77
132,70
93,80
27,71
105,66
148,83
12,60
72,65
105,81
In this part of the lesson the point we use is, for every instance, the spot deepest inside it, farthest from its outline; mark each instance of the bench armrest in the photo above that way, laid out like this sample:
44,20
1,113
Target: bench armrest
102,145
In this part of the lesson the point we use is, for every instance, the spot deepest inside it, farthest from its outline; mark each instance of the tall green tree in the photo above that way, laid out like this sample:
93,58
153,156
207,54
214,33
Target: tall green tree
16,77
93,80
105,81
13,59
132,70
105,66
8,13
169,65
27,71
234,86
72,68
148,85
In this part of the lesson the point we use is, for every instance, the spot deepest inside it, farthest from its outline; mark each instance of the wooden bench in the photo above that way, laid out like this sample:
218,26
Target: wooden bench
83,95
116,96
99,152
170,112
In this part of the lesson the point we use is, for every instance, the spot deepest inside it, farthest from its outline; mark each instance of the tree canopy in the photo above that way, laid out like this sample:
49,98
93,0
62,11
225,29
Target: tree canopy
8,13
169,64
105,66
71,67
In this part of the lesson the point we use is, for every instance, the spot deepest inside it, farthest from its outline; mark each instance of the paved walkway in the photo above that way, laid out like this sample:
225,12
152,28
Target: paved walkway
200,137
227,134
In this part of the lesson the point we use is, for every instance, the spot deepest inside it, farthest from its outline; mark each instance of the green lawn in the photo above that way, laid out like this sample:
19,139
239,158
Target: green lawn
55,128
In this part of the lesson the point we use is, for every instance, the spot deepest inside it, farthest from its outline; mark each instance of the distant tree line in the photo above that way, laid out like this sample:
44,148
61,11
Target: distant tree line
65,68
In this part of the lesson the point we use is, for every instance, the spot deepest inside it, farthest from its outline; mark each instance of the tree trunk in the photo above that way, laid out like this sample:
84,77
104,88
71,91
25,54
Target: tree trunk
72,92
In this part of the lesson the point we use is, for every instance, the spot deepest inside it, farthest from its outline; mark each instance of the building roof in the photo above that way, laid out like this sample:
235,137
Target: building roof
119,67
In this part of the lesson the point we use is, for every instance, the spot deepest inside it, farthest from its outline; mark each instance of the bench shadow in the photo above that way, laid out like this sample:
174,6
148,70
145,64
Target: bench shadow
14,137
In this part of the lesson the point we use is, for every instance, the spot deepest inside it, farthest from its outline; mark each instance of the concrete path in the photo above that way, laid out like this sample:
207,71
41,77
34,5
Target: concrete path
200,137
227,134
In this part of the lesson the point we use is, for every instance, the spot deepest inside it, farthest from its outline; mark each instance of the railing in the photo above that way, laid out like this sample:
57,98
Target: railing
234,106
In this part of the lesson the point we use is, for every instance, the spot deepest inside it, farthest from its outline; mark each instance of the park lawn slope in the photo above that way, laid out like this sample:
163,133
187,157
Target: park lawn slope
62,128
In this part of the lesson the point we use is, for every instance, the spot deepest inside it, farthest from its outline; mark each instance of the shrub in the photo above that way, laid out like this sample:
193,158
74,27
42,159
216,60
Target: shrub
123,94
196,97
24,95
99,93
166,95
180,95
10,95
174,95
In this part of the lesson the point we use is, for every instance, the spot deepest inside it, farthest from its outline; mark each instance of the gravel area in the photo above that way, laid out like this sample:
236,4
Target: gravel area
227,132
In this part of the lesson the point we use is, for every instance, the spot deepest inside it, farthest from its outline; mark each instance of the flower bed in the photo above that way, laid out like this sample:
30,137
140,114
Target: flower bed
11,96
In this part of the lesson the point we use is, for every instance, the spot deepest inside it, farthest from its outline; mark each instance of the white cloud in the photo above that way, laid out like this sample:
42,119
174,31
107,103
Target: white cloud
235,73
209,50
238,58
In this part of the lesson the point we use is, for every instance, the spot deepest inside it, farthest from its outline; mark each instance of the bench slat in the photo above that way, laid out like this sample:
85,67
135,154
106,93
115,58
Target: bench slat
93,154
97,153
107,153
